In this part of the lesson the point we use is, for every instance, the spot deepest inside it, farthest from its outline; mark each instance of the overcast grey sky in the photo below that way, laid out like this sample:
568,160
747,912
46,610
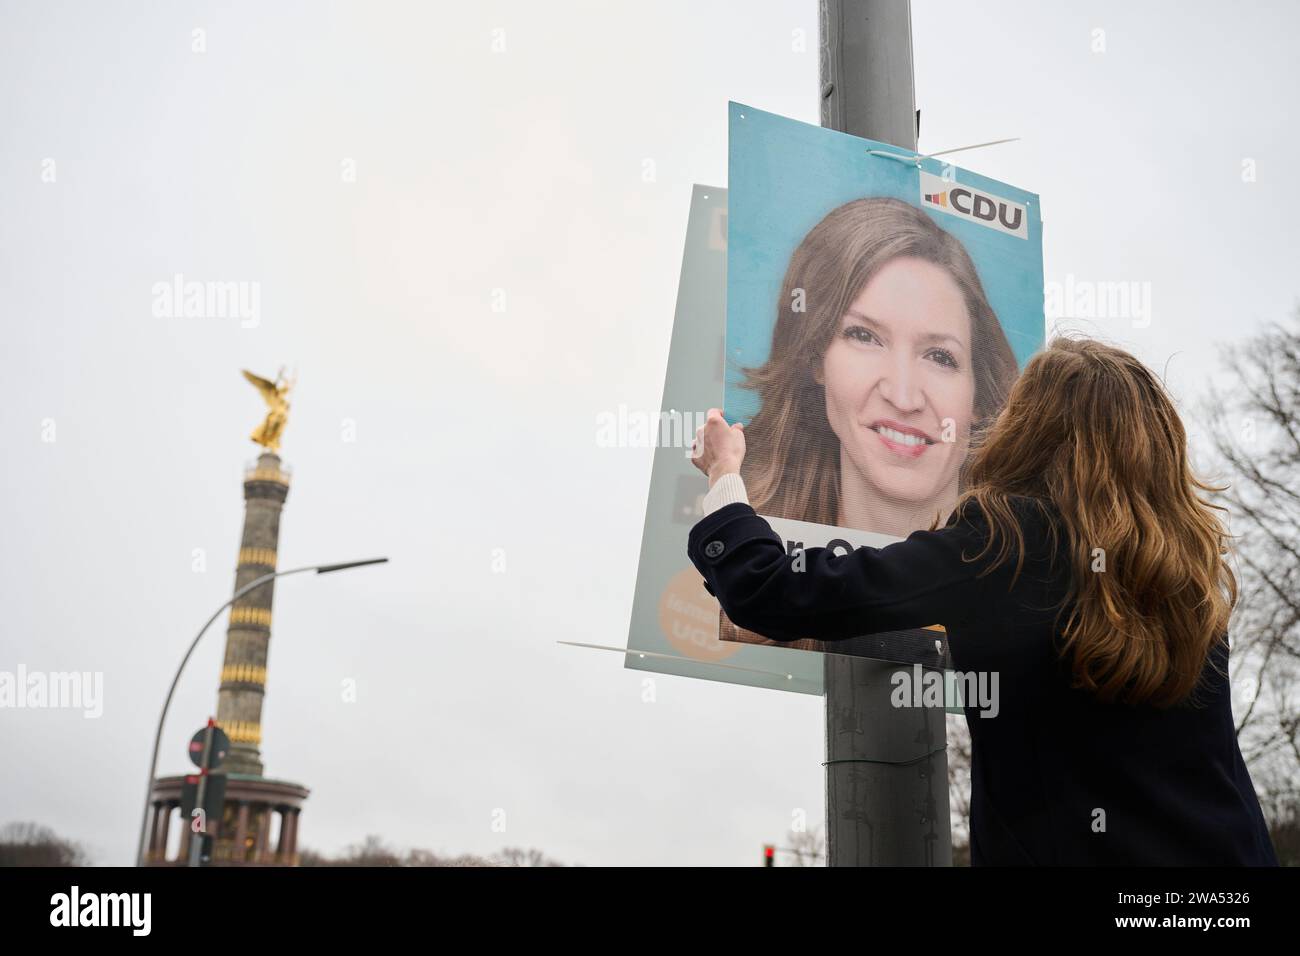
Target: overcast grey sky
475,171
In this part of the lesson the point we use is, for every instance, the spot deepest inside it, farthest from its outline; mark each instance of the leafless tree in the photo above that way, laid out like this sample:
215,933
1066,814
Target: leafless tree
959,758
515,856
31,844
1255,431
806,847
373,851
428,858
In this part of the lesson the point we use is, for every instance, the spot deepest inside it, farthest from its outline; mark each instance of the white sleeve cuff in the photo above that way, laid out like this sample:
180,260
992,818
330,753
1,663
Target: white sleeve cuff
727,490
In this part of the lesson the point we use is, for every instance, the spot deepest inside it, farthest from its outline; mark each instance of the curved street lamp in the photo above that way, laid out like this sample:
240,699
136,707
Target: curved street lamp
157,740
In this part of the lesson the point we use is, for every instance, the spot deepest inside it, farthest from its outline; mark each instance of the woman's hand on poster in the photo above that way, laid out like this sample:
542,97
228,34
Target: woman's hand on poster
719,448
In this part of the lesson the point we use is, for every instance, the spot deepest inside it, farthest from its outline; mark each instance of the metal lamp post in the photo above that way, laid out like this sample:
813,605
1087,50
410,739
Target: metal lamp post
157,740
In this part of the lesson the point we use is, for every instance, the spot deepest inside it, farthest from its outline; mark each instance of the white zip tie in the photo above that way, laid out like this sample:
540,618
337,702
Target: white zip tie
915,158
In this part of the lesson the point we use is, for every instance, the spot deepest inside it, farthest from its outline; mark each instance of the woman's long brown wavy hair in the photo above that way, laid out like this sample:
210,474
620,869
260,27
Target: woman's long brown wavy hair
1091,430
792,467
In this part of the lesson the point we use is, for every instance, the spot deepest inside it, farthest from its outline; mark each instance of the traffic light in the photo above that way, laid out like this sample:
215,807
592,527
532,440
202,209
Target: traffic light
769,855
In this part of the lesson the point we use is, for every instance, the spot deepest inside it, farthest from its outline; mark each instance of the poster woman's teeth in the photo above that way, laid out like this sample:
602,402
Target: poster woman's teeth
899,438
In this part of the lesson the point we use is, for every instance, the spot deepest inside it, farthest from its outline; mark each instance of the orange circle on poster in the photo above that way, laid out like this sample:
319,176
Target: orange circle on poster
688,616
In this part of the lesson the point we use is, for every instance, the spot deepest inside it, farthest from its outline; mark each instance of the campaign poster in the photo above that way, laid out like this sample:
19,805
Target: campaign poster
879,309
675,621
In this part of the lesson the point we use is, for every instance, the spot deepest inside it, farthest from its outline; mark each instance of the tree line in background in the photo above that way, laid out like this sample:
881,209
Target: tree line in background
31,844
373,851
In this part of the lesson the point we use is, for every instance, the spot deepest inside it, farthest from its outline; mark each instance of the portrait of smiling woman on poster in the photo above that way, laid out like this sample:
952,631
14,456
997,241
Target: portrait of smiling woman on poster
886,358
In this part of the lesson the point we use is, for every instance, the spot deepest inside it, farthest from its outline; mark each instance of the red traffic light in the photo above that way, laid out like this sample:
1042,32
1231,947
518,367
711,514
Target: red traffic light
769,854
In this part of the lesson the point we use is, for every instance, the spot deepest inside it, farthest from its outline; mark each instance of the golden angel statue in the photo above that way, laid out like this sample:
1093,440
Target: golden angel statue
276,395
